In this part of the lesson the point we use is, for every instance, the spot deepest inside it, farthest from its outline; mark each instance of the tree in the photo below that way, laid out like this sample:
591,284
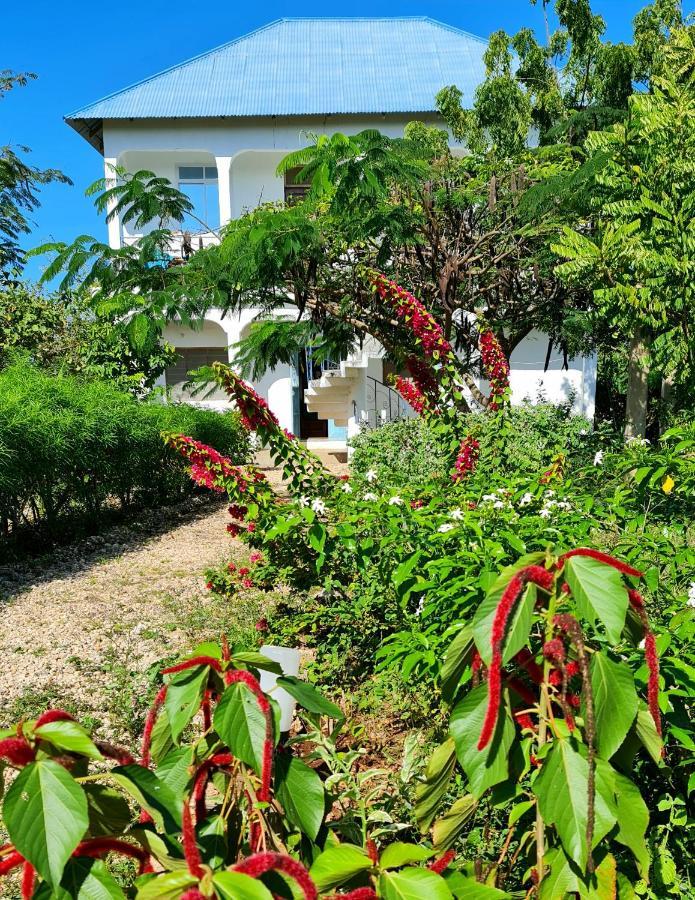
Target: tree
19,187
638,251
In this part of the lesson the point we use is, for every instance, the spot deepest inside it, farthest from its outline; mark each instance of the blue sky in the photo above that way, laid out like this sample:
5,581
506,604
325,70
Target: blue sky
82,50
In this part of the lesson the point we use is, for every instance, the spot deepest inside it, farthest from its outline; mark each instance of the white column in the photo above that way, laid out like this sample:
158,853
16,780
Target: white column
114,225
224,164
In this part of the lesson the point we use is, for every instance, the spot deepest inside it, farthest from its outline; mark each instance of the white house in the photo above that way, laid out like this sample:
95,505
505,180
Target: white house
218,125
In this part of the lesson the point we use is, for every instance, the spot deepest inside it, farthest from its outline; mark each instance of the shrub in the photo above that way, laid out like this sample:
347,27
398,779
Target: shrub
71,447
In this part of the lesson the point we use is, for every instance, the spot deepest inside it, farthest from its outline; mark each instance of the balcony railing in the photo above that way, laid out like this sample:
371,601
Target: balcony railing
181,244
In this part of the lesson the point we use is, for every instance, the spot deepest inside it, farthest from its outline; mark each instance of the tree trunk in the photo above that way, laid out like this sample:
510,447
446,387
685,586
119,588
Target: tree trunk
637,386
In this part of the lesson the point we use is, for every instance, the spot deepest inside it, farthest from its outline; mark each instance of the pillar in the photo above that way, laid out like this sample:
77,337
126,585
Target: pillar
224,164
113,225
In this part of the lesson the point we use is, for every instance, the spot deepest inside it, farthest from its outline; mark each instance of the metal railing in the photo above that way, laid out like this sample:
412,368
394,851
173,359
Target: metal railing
384,405
175,246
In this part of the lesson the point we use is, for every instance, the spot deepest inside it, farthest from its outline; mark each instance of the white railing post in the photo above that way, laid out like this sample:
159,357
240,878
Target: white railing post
224,166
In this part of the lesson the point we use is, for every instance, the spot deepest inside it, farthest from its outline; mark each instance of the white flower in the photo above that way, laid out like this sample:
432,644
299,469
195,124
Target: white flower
488,498
318,505
420,606
447,526
456,514
370,496
370,475
598,459
583,432
345,488
544,513
303,501
498,504
563,504
691,594
549,493
395,501
526,499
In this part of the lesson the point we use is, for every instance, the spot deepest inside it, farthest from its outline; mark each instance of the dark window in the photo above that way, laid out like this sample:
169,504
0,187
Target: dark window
199,184
190,358
295,191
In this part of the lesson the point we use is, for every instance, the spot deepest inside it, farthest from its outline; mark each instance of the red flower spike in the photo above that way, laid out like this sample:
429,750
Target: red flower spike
524,721
192,663
16,750
372,852
260,863
439,865
97,848
520,688
53,715
190,846
604,558
149,725
363,893
192,894
554,650
11,861
111,751
525,659
651,656
28,879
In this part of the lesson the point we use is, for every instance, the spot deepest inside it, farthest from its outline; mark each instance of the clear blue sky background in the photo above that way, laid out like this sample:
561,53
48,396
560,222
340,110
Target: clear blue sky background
83,50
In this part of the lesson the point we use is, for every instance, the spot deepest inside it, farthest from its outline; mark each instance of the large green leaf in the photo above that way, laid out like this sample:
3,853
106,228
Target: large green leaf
336,865
237,886
257,660
309,697
519,622
152,794
45,812
166,886
633,819
300,791
446,829
562,792
561,878
175,769
429,793
241,725
458,656
484,768
70,736
413,884
599,592
615,702
469,889
184,693
401,854
109,813
83,879
647,733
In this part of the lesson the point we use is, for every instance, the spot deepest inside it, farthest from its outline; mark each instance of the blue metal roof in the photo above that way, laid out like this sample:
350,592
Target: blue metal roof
304,67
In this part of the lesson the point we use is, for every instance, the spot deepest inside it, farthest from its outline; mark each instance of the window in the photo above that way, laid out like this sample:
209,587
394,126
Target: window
199,184
194,358
294,192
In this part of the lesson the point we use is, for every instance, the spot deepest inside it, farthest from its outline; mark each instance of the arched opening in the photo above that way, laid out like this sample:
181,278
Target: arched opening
195,347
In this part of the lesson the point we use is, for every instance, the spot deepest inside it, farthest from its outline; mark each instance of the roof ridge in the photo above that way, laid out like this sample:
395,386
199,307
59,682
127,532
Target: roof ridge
274,23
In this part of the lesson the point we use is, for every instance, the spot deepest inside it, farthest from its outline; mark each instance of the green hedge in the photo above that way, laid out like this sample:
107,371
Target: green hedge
71,448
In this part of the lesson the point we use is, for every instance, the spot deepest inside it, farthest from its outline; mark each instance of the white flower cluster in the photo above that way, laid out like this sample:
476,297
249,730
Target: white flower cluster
345,488
456,514
318,505
395,501
447,526
526,499
691,595
371,497
370,476
499,499
598,458
549,504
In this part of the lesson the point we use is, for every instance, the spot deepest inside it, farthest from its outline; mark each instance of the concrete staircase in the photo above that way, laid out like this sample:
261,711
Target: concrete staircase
330,396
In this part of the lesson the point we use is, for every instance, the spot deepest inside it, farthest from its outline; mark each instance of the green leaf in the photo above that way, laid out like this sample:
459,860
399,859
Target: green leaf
174,769
633,819
401,854
615,702
139,331
520,619
184,693
562,792
647,733
109,813
237,886
70,736
413,884
241,725
300,791
469,888
257,661
309,697
562,879
317,537
484,768
446,829
457,657
337,865
162,740
45,813
429,793
83,879
599,592
167,886
152,794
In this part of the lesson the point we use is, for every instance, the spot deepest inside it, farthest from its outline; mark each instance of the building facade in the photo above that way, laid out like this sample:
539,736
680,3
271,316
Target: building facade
217,127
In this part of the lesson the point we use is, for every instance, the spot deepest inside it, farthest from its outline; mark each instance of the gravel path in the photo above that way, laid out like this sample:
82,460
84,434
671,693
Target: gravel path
77,625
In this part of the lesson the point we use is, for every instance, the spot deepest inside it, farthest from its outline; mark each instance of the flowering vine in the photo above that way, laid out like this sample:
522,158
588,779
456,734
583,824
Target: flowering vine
496,368
466,459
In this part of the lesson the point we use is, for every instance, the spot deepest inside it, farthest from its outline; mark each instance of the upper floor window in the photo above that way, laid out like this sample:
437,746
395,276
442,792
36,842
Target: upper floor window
294,192
199,184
